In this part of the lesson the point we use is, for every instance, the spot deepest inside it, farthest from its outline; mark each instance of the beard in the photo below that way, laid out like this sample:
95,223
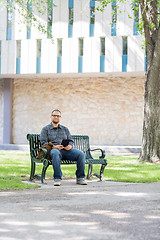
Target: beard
55,122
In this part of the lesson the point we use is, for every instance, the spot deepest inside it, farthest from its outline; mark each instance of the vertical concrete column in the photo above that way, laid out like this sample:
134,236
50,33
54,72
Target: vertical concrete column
7,111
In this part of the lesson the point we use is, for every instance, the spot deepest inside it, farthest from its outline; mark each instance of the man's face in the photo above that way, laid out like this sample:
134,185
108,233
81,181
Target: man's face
56,117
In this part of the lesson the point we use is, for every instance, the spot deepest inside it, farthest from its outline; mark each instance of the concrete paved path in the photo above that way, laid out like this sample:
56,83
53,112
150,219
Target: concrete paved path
100,211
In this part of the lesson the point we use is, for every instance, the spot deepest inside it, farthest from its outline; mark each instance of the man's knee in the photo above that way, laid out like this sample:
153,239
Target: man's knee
54,153
81,155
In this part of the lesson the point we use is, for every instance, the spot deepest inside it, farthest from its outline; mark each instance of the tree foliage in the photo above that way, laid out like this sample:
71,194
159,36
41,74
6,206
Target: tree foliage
31,12
149,20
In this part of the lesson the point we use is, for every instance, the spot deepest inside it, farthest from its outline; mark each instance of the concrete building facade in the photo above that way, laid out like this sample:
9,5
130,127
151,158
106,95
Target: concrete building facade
93,71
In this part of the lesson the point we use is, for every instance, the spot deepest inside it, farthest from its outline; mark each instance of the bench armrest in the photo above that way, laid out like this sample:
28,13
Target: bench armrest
45,153
102,152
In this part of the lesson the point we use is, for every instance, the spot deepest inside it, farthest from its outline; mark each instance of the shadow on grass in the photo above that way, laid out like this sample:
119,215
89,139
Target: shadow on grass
16,167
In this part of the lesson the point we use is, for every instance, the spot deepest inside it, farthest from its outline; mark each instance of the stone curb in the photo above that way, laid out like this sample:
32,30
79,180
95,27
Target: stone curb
108,149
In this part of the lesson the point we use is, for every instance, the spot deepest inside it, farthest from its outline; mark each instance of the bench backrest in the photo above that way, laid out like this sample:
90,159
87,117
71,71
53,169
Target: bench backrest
81,142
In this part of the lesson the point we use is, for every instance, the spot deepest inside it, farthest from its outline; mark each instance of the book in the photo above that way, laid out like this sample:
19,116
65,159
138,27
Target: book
65,142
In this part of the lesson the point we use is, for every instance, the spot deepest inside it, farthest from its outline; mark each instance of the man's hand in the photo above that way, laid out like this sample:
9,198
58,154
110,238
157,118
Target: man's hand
68,147
59,147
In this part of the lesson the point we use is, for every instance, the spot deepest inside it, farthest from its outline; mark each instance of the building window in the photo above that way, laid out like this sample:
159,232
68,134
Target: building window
59,55
71,13
50,18
29,18
145,61
114,18
38,63
92,17
9,20
136,19
80,57
59,47
18,57
102,46
80,46
124,54
102,55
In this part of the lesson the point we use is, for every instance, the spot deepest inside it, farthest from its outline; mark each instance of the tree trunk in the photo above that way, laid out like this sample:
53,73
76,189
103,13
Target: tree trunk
151,124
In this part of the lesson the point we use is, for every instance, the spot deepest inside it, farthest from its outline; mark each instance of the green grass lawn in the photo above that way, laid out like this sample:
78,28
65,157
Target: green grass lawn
15,167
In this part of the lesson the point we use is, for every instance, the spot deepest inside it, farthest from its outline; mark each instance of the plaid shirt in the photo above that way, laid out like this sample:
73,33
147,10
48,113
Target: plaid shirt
54,135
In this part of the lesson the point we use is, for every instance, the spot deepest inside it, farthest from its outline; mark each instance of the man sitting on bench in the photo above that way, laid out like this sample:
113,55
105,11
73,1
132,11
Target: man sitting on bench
58,135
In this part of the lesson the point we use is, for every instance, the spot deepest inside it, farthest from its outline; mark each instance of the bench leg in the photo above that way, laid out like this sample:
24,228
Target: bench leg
33,166
32,175
101,171
90,167
45,166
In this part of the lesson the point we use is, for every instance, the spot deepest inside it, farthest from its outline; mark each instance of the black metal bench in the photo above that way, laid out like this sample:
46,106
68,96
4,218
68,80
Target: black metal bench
81,142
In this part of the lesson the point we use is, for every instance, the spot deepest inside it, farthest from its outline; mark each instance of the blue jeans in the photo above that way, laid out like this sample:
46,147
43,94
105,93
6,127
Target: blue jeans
73,155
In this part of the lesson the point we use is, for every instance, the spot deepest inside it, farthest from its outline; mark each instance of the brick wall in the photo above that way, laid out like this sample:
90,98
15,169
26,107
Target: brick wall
109,110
